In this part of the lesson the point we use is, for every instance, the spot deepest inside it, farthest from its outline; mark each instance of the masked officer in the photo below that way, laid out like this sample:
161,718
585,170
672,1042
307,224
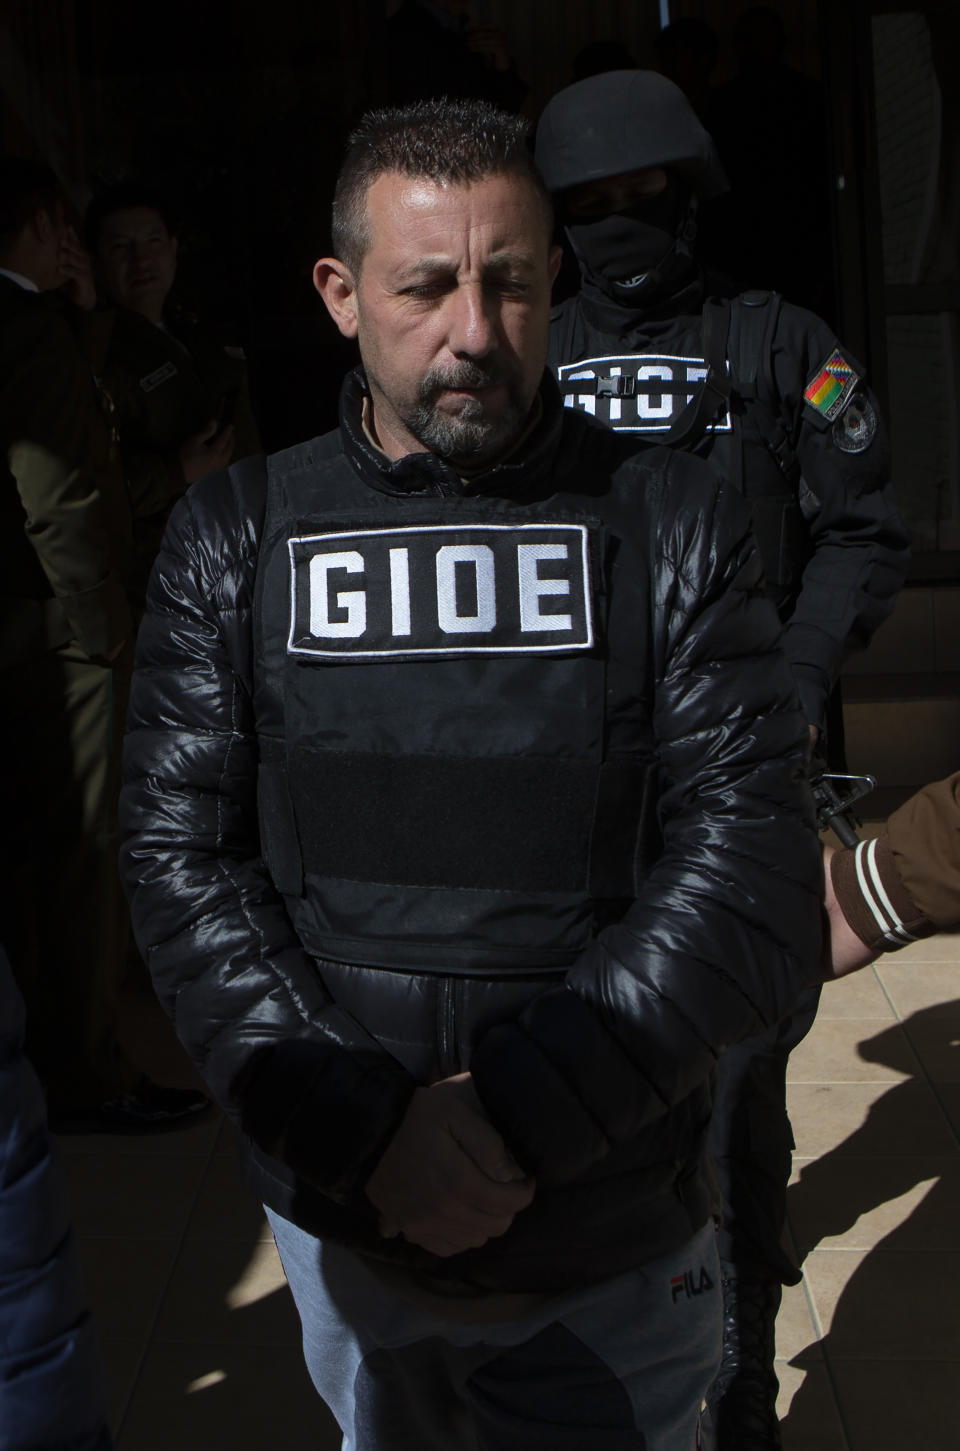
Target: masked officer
408,697
765,391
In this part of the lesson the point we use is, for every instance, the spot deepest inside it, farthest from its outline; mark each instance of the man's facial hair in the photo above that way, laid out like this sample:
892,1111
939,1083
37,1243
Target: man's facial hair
468,437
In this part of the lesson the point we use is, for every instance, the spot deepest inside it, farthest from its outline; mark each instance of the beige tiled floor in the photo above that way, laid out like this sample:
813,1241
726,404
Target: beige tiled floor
201,1339
869,1344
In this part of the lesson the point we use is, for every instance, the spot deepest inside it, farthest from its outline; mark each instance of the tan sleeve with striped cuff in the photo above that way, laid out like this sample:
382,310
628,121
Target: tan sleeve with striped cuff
924,836
873,898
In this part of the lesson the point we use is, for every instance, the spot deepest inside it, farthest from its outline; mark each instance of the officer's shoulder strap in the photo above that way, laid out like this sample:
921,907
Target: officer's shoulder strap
753,318
693,421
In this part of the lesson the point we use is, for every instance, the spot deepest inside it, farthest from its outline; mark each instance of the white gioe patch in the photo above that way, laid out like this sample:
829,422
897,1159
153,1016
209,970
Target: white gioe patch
653,402
480,558
635,392
352,602
400,591
441,589
533,588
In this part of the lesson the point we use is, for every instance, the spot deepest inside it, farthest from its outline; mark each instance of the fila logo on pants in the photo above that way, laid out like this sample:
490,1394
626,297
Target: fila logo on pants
495,589
690,1285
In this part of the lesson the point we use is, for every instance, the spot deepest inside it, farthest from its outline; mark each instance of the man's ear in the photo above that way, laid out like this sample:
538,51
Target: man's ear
336,285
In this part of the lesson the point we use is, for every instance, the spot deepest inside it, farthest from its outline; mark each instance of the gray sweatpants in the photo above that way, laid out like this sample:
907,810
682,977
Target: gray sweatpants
621,1366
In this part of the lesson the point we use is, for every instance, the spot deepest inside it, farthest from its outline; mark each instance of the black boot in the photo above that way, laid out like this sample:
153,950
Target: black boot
741,1404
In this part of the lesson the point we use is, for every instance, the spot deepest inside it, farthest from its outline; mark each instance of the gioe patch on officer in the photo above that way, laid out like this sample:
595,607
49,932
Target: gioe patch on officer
435,590
635,392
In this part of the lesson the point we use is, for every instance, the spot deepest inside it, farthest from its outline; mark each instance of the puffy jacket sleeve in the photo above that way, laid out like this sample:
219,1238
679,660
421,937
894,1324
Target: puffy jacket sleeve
302,1078
725,930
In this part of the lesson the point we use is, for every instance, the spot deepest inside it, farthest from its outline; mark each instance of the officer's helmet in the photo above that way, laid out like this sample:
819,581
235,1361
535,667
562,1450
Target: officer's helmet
624,121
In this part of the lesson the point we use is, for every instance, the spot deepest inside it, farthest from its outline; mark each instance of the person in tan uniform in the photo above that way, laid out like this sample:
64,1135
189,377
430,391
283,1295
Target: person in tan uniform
65,646
900,887
182,404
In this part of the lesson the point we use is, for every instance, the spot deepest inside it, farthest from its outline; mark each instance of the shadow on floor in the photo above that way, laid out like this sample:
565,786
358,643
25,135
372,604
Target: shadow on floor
894,1338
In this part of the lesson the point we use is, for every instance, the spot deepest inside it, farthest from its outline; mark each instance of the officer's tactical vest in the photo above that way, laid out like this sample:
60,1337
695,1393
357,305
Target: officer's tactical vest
439,787
709,391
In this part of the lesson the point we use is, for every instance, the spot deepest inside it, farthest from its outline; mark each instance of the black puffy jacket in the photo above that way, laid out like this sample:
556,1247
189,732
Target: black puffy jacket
596,1073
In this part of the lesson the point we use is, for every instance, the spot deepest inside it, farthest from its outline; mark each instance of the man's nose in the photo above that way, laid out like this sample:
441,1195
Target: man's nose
473,323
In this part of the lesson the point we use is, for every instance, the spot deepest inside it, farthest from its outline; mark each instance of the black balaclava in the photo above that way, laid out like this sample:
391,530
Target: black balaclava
610,126
637,256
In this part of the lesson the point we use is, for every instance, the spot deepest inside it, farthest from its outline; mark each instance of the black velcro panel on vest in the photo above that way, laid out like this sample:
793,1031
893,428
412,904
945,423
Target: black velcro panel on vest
497,824
620,830
278,831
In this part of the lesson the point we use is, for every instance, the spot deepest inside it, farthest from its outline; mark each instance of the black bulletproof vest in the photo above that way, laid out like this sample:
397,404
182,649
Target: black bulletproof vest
703,383
437,787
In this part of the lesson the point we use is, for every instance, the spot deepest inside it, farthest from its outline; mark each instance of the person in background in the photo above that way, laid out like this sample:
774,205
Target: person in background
65,656
392,836
180,396
766,393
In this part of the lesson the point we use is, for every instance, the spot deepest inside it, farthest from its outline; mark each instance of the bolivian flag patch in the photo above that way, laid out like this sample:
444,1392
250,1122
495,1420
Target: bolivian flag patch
831,386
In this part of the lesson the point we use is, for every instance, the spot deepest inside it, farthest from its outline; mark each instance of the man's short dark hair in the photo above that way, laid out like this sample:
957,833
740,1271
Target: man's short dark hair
26,188
445,141
120,198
